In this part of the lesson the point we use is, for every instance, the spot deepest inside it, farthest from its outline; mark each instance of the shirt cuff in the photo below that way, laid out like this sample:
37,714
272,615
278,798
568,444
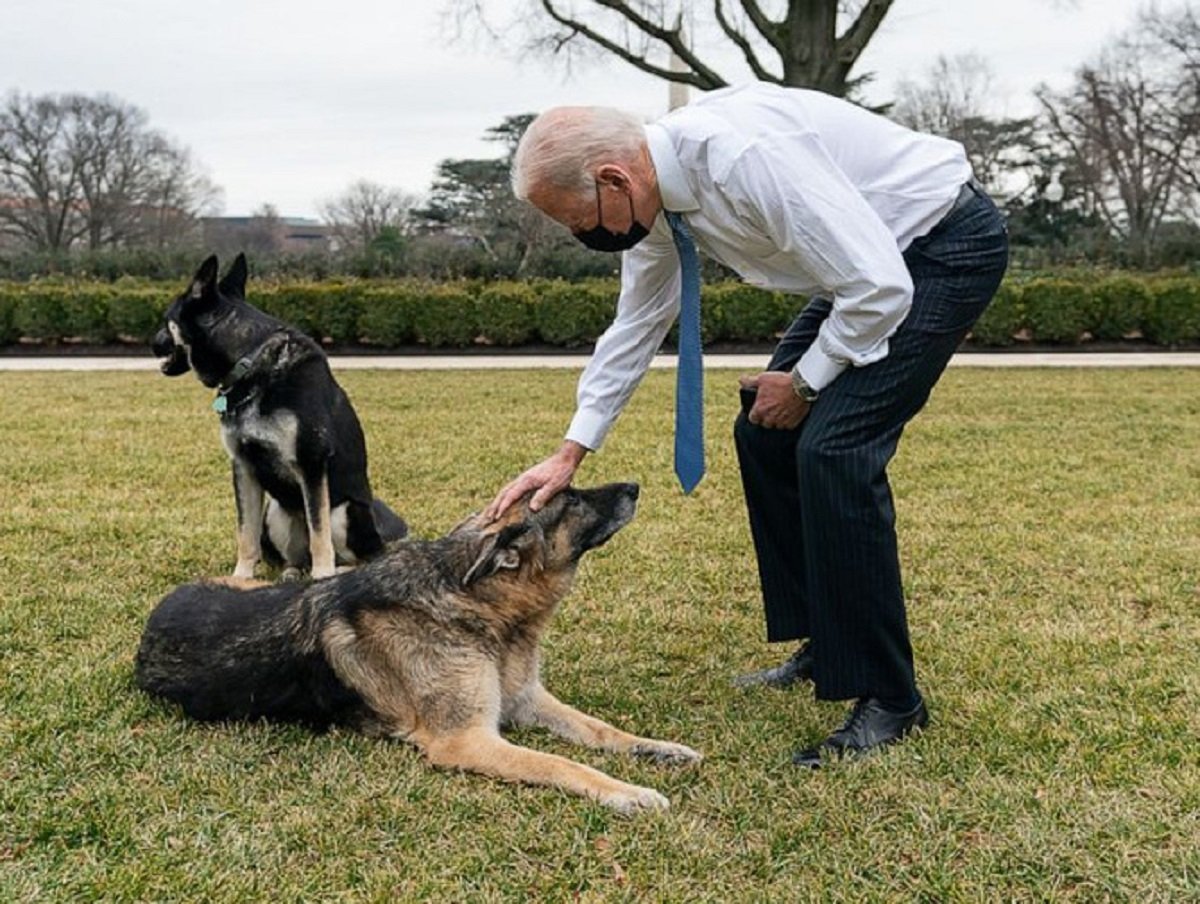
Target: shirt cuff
588,428
818,369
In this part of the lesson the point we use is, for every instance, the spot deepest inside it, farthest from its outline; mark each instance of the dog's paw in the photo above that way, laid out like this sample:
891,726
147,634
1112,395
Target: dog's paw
319,573
634,799
666,752
291,573
244,568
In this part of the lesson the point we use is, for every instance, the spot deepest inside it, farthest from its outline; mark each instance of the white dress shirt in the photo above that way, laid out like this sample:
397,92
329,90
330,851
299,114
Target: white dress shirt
796,191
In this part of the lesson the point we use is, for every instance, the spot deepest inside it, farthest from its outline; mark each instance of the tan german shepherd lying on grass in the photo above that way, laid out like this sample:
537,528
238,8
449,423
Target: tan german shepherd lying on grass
435,643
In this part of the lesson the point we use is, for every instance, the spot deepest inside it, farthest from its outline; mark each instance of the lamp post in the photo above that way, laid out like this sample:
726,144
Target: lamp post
1054,191
1053,194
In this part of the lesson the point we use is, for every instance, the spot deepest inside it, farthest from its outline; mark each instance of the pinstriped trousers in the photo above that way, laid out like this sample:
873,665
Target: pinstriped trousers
818,497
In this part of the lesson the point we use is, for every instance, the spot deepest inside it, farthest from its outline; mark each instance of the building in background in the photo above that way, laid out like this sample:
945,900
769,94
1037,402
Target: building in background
266,233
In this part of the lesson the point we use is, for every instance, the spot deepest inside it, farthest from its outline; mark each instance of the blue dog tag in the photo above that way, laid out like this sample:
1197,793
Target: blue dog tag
219,404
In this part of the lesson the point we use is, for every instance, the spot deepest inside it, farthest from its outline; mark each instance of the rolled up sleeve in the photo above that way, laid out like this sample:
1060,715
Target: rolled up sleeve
647,306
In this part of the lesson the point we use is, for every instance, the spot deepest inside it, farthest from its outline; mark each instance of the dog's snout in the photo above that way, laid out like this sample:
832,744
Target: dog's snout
627,494
172,358
162,344
612,495
608,509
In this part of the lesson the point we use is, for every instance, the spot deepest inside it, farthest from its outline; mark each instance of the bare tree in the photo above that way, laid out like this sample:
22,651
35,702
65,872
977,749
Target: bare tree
1130,126
76,169
800,43
365,210
178,195
955,101
39,185
955,90
1178,30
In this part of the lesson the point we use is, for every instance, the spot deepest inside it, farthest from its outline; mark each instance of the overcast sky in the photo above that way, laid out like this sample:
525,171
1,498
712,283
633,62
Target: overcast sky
289,101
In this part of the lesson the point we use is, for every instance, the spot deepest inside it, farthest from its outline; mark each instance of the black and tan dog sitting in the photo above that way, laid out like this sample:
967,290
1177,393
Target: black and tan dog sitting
297,448
435,643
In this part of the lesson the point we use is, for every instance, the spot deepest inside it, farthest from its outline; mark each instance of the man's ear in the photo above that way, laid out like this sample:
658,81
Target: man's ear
498,552
204,283
234,283
612,175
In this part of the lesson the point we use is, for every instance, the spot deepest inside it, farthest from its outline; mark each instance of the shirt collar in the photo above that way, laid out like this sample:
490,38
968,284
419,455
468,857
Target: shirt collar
672,184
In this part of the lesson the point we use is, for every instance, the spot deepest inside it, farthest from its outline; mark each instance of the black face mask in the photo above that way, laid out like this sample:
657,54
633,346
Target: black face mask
599,238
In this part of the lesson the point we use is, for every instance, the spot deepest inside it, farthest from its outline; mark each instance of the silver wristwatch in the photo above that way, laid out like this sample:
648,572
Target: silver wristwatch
801,388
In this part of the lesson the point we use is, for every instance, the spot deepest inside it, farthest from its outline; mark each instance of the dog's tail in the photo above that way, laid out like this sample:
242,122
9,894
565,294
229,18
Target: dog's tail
391,526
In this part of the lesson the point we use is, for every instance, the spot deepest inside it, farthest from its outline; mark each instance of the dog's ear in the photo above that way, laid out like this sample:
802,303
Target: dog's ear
234,283
204,283
498,552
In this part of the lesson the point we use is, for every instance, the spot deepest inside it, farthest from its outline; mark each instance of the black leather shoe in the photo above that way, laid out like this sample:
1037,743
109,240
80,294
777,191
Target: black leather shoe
870,726
799,667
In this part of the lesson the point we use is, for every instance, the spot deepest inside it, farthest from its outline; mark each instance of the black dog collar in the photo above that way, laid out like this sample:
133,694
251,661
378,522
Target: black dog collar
221,404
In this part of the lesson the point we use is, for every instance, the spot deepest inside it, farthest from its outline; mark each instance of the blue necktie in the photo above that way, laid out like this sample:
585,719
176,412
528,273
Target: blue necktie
689,377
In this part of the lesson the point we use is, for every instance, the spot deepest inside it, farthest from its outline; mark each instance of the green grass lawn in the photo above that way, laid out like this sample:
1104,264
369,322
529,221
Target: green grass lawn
1050,527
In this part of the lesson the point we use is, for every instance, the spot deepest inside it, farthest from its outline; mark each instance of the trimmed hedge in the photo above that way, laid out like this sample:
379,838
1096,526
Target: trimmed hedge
8,331
1060,310
574,314
136,316
1119,306
386,317
1082,308
1002,320
736,312
1057,310
304,305
1173,313
98,313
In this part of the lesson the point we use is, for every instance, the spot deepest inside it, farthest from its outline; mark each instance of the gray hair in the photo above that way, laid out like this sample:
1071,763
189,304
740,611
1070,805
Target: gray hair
562,148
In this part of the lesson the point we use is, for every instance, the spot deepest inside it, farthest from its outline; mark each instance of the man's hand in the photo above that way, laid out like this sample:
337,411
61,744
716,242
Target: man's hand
548,478
776,405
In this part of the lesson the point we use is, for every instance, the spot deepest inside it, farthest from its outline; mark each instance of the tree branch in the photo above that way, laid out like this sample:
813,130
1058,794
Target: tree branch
672,37
739,39
700,77
768,29
852,43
